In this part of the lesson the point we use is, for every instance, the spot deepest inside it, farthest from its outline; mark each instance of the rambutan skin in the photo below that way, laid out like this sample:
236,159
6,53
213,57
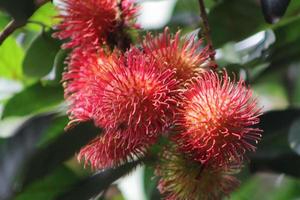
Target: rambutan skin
113,149
127,95
217,118
184,179
137,96
83,73
185,56
91,22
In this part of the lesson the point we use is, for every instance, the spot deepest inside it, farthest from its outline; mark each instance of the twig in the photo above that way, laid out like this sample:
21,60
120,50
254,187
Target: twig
207,31
9,29
39,3
14,24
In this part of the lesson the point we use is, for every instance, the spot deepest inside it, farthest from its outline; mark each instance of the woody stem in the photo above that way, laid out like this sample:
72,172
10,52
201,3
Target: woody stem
206,28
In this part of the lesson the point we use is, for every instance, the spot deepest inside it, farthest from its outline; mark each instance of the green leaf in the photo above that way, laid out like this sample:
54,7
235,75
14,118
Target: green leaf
59,150
276,125
48,187
33,99
54,131
286,48
288,164
93,186
20,10
44,16
59,67
294,135
4,20
274,9
233,20
274,149
40,55
17,149
150,183
268,187
296,91
11,57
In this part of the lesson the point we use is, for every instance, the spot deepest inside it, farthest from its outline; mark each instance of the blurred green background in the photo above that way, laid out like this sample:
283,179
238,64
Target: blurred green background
36,155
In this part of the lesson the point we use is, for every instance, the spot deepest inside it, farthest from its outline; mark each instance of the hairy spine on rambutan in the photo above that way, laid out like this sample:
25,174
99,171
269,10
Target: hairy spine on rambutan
181,178
185,56
133,100
217,118
80,80
90,23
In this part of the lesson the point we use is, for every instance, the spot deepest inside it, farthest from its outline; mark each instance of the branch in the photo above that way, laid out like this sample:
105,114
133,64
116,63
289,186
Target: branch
9,29
15,24
207,31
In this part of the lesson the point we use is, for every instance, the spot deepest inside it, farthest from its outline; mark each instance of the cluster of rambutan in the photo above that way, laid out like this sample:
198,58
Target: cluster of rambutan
168,87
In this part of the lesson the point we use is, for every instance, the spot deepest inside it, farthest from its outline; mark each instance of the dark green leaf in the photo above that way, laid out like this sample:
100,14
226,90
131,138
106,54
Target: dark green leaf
33,99
276,125
233,20
274,9
274,149
59,67
95,185
20,10
47,188
59,150
150,183
15,150
286,48
55,130
268,187
39,58
286,163
273,121
294,136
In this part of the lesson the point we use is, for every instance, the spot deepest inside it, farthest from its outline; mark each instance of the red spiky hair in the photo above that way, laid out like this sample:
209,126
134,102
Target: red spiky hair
129,97
216,119
135,93
182,178
114,148
185,56
84,71
90,22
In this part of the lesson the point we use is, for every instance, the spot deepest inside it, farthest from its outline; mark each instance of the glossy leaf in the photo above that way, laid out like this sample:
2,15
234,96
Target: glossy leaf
39,59
276,125
233,20
44,16
11,57
59,150
47,188
288,164
95,185
150,183
17,149
20,10
274,9
58,67
294,135
33,99
268,187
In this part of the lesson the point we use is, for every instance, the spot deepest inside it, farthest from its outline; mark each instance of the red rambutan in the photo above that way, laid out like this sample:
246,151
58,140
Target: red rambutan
184,56
84,71
91,22
182,178
216,119
128,96
112,149
136,95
